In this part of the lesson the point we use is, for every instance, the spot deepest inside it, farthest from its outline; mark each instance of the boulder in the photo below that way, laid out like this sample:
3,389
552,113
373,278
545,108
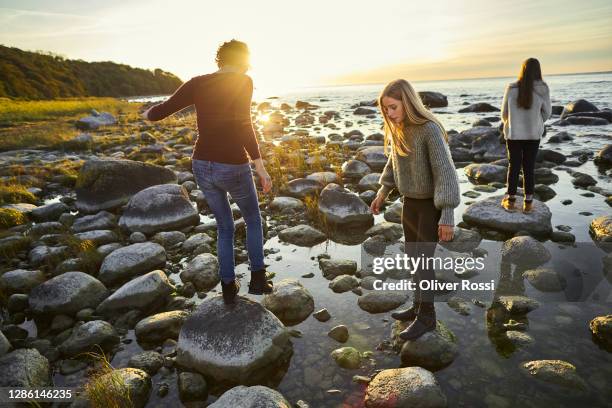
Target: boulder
90,337
124,263
290,301
24,367
464,240
285,204
109,184
144,293
488,213
485,173
555,372
373,156
102,220
381,301
340,207
601,328
433,350
160,326
479,107
433,99
164,207
347,357
601,229
604,157
20,281
355,169
578,106
302,235
95,121
241,344
545,279
256,396
336,267
202,271
404,387
525,251
303,187
67,294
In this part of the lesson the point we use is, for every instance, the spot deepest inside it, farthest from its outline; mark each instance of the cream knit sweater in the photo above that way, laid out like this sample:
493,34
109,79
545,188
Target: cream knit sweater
427,171
526,124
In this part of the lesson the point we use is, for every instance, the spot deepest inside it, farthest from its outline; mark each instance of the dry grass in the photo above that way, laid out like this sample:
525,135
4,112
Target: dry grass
105,388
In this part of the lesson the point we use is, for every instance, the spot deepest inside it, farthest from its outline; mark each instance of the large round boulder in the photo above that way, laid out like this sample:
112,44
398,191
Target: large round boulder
340,207
404,387
108,184
302,235
24,368
124,263
88,337
525,251
290,301
433,99
578,106
489,214
202,271
144,293
67,294
485,173
241,344
601,229
604,157
373,156
256,396
164,207
434,350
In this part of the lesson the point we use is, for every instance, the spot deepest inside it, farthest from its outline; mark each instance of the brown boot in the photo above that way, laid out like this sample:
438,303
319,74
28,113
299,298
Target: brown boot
230,290
259,285
425,322
527,206
508,203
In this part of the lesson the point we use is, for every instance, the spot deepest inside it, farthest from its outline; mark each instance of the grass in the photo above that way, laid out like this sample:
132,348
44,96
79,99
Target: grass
105,387
50,124
16,193
15,111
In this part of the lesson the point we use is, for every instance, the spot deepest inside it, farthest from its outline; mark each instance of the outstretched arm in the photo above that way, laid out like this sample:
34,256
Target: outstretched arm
182,98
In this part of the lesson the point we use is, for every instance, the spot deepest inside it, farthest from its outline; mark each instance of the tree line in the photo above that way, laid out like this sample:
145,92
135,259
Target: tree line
37,75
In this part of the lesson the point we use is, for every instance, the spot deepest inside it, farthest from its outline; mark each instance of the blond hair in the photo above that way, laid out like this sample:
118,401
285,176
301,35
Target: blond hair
415,114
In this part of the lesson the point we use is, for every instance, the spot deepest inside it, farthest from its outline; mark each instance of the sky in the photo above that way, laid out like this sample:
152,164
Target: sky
322,42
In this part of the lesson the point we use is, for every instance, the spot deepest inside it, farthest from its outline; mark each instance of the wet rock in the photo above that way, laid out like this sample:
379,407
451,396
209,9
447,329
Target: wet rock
143,293
251,397
100,221
336,267
355,169
20,281
373,156
550,156
578,106
347,357
98,237
525,250
24,368
148,361
164,207
95,121
137,384
404,387
369,182
290,301
67,294
302,187
322,315
433,350
197,240
88,337
543,192
585,121
601,229
375,245
323,177
560,236
285,204
601,327
479,107
545,279
488,213
339,333
364,111
381,301
604,157
342,208
583,179
108,184
202,271
556,372
207,341
161,326
169,239
192,387
46,255
519,339
433,99
49,212
132,260
343,283
459,305
464,240
485,173
391,231
393,213
561,137
518,304
302,235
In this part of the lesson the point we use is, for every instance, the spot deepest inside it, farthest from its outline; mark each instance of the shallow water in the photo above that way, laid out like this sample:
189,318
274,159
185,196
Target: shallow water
485,373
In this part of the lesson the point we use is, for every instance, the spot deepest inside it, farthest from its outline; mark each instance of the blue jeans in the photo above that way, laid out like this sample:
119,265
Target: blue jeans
215,180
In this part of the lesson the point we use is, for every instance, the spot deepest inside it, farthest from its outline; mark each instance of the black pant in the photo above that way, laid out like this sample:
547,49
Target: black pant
420,223
522,153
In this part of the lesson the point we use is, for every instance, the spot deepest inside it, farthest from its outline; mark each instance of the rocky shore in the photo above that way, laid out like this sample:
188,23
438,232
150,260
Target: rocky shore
109,255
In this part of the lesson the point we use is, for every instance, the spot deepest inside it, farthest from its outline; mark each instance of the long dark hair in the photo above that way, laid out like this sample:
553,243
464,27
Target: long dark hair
530,72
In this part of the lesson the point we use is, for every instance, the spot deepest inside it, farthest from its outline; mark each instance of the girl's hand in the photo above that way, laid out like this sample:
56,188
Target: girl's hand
376,204
446,232
264,178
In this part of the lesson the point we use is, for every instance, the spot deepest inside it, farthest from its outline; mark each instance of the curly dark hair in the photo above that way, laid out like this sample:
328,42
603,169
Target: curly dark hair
232,52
